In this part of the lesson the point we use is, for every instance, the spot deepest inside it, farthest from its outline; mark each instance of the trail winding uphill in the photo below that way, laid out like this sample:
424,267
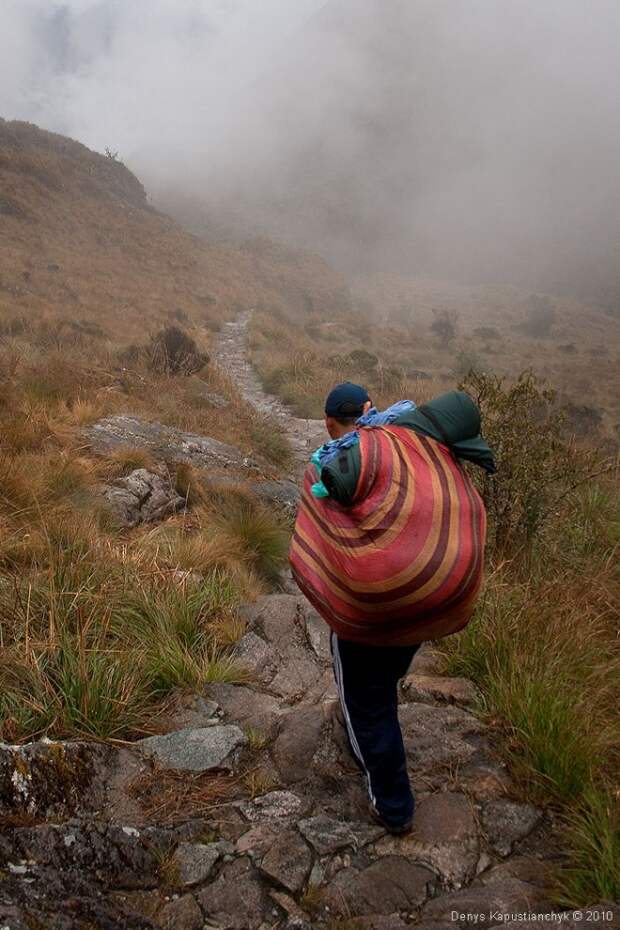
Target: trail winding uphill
248,814
231,357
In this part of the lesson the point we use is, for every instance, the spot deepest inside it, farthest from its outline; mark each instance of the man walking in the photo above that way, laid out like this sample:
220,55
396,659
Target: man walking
388,547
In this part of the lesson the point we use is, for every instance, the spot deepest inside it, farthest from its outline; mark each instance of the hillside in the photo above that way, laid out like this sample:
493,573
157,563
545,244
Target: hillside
79,239
170,755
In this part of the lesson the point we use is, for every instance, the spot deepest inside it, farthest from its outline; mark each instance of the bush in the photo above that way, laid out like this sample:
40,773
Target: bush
172,351
466,361
362,360
444,325
537,468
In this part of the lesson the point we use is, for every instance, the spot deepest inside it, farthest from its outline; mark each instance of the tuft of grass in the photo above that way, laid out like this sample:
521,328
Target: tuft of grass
269,440
167,871
91,646
594,840
254,531
539,653
259,782
312,899
257,740
126,459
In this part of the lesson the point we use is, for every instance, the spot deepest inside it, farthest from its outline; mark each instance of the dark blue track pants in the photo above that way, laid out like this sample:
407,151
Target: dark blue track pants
367,679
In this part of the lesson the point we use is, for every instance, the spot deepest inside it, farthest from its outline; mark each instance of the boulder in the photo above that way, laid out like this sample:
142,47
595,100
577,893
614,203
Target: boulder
165,443
288,861
389,885
282,494
297,742
236,900
246,706
256,841
506,822
119,856
289,665
141,497
508,896
438,739
255,656
318,635
484,779
444,837
296,919
181,914
327,835
196,750
47,779
276,805
194,862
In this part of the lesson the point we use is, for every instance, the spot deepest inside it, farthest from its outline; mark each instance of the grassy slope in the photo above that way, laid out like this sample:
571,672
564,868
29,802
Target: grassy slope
88,272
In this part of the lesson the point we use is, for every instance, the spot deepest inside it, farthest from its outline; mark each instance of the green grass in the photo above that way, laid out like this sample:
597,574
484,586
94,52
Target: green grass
92,647
594,840
543,649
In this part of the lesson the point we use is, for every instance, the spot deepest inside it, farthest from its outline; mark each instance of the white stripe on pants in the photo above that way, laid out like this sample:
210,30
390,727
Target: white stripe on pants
352,737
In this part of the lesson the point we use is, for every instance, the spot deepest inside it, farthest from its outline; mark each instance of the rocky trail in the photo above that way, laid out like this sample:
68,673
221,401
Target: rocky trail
304,436
249,814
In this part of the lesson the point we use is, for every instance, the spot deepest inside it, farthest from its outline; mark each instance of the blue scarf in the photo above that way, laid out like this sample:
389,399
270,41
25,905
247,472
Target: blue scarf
329,450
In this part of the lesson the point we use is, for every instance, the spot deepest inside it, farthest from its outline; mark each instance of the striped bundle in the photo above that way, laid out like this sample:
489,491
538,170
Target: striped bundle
404,563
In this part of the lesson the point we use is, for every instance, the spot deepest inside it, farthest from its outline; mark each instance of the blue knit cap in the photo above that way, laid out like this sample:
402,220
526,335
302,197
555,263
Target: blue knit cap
346,400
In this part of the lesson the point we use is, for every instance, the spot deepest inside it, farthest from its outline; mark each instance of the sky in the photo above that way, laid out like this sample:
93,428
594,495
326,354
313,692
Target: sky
470,139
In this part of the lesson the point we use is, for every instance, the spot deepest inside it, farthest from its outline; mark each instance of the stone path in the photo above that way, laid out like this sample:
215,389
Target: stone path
231,357
248,814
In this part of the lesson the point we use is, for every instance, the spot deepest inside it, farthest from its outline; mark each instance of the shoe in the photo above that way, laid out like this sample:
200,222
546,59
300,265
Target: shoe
396,829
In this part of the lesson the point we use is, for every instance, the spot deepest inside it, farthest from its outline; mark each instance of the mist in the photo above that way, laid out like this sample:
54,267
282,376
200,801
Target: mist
474,141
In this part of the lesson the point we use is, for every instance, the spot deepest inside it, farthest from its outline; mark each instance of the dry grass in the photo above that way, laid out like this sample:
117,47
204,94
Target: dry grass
302,369
167,797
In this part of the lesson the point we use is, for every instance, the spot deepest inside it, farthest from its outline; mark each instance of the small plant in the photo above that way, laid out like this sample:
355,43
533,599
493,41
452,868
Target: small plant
312,899
168,871
536,468
257,740
466,360
172,351
362,360
444,326
259,782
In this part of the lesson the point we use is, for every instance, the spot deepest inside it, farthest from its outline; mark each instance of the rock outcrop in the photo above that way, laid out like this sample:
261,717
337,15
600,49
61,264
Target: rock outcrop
141,497
165,443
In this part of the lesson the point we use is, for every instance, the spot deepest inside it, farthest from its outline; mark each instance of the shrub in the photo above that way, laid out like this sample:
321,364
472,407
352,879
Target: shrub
466,361
444,325
173,351
537,468
257,534
362,360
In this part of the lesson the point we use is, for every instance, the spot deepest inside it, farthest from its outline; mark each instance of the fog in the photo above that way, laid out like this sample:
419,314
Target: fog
475,140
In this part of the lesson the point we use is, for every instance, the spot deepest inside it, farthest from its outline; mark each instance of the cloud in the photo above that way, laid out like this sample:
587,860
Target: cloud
476,139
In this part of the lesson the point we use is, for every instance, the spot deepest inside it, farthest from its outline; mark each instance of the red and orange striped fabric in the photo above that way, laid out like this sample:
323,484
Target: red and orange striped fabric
404,563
